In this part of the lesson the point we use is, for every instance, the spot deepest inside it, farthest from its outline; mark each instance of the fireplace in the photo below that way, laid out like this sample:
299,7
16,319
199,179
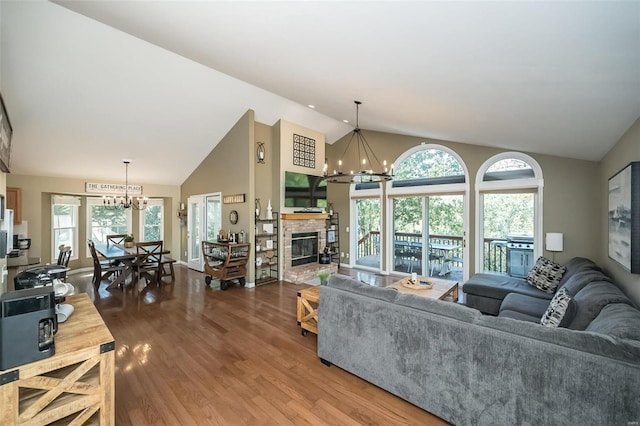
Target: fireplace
299,227
304,248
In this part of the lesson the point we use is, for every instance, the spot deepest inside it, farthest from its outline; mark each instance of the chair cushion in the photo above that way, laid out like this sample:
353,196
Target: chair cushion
561,310
545,275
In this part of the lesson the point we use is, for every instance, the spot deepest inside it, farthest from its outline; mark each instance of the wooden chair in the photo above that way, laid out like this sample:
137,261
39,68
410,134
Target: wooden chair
101,268
64,254
116,239
149,261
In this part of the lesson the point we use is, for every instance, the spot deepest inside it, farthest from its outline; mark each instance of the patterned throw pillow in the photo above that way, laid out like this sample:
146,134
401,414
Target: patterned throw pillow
545,275
557,310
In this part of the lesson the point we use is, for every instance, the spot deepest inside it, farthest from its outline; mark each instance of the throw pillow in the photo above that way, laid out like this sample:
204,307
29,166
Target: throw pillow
545,275
558,313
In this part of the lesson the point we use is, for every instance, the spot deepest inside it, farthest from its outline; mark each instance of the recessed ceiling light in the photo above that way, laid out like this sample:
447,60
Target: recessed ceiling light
345,121
311,106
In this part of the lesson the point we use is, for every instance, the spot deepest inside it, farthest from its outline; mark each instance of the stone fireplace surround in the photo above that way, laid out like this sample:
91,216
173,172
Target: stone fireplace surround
293,223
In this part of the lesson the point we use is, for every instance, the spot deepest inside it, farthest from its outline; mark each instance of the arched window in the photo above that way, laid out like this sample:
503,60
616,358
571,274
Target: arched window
509,214
427,223
428,166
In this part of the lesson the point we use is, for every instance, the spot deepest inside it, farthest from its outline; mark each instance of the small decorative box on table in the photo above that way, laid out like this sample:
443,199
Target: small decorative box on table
76,384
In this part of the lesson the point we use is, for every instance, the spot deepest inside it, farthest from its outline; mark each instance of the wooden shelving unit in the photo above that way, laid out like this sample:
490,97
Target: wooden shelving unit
267,267
333,237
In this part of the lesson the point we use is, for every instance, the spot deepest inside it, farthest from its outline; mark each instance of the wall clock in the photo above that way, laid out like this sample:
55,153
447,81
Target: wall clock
233,217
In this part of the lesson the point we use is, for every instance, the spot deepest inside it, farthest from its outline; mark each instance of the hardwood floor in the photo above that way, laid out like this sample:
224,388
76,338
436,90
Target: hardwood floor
187,354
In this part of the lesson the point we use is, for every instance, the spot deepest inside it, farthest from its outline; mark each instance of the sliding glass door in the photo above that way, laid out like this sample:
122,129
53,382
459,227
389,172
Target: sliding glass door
367,237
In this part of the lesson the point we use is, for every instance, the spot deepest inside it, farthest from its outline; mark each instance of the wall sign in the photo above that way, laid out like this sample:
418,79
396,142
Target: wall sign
233,199
304,151
111,188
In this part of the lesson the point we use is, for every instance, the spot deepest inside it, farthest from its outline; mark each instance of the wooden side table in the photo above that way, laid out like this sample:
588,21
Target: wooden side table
308,301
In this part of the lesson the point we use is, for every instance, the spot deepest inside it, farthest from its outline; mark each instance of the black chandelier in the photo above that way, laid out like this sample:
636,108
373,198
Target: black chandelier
125,202
367,174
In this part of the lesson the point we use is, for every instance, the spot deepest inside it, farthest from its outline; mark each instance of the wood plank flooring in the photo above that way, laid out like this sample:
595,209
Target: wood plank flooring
187,354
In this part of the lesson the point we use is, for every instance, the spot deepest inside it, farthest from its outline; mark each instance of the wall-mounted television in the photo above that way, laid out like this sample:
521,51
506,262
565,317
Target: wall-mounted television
304,191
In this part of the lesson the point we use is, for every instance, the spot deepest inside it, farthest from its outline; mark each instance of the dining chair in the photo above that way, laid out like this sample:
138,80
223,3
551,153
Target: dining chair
101,267
116,239
64,254
149,261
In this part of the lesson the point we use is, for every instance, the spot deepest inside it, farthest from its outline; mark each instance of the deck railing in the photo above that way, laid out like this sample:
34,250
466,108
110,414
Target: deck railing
494,249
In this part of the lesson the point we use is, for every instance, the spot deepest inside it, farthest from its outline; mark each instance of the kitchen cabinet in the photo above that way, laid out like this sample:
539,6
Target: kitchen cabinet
14,202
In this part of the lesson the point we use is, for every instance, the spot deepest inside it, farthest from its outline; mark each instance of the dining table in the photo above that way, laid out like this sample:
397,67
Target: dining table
127,256
117,253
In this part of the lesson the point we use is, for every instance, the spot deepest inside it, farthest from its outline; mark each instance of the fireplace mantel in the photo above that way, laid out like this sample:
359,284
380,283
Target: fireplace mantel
304,216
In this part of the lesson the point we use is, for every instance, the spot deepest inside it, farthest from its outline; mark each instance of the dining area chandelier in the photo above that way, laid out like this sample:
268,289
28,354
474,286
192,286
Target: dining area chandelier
126,202
371,169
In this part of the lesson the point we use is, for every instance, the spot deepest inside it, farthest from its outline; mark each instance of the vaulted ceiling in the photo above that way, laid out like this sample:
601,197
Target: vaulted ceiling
88,84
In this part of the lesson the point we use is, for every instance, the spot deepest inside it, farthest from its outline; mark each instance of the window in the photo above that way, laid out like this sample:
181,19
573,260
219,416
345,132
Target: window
64,220
152,221
428,166
104,220
427,225
509,193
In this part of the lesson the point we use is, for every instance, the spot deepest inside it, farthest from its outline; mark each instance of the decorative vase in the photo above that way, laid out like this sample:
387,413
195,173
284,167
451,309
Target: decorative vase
128,244
269,211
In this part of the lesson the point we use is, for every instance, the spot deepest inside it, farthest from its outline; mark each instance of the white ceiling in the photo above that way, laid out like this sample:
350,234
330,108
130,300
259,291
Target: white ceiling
90,83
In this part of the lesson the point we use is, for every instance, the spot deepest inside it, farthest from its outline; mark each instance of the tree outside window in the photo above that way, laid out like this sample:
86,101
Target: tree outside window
104,220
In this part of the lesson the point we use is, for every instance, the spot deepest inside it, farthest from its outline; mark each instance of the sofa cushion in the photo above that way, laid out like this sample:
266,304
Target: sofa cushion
561,310
347,283
497,286
617,319
532,306
448,309
545,275
581,278
578,264
507,313
592,298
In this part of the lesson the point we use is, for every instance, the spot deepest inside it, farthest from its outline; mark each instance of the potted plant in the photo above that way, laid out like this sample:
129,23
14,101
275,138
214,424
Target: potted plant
324,276
128,240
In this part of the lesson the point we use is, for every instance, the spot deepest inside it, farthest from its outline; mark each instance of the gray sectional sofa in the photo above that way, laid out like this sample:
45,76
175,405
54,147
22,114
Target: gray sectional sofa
475,369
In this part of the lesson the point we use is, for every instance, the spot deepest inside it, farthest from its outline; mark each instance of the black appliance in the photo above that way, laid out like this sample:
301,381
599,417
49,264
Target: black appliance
519,254
27,326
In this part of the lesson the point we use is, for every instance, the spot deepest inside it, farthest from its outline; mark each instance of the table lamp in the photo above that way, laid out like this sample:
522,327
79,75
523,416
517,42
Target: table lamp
554,243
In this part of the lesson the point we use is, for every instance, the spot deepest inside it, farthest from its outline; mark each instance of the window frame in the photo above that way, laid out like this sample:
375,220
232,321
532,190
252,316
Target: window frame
159,202
98,201
462,188
76,203
535,185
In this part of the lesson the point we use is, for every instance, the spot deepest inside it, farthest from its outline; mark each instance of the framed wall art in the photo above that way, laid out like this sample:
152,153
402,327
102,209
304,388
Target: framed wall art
624,217
6,131
304,151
